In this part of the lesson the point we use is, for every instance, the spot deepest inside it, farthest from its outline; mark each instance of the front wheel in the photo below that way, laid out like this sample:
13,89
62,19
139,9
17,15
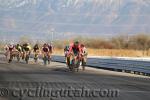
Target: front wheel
83,63
27,59
18,58
67,61
72,66
49,60
11,57
45,59
35,58
77,65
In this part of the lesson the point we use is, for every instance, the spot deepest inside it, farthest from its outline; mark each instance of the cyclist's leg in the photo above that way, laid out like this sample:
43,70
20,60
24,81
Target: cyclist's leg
11,56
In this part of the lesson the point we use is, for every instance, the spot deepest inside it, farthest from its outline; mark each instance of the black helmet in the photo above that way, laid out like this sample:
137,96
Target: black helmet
45,44
76,43
36,44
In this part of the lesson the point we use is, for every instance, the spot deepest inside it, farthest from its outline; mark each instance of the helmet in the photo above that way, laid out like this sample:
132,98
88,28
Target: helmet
11,44
18,44
36,44
82,45
67,46
76,43
45,44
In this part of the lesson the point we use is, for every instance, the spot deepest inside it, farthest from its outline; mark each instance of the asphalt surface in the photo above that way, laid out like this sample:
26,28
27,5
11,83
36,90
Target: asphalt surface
19,81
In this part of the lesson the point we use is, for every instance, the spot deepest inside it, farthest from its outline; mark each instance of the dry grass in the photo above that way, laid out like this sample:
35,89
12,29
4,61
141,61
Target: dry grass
58,51
1,47
106,52
115,52
111,52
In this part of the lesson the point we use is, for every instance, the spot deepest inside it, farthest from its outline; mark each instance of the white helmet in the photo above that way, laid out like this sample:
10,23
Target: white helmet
11,46
11,43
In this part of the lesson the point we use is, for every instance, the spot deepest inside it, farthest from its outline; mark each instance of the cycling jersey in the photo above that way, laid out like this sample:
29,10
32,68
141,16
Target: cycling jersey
45,49
76,50
19,48
66,48
84,51
6,48
36,48
11,48
27,48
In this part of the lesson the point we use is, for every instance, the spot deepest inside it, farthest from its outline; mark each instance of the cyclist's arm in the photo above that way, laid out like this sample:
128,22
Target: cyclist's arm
42,51
86,52
70,50
48,49
6,48
80,50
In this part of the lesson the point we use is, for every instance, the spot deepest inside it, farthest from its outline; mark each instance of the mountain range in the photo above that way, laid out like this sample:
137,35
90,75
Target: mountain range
66,18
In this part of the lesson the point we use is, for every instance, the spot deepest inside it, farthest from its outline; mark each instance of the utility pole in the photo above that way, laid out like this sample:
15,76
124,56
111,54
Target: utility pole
52,34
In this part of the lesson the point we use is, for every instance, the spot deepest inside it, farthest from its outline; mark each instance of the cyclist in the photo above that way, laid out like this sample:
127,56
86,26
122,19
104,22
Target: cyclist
45,52
19,48
50,46
36,48
11,48
19,51
83,56
27,47
75,48
36,51
45,48
66,50
6,49
74,53
26,50
23,50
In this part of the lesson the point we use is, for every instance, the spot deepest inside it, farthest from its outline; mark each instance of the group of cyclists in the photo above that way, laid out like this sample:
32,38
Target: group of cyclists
74,51
23,51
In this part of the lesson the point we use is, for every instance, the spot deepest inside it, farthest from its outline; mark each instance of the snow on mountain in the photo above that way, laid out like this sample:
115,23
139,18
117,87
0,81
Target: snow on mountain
86,17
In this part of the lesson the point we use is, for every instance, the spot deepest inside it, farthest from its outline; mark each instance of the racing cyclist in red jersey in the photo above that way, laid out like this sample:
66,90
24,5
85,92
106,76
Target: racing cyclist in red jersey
74,53
75,48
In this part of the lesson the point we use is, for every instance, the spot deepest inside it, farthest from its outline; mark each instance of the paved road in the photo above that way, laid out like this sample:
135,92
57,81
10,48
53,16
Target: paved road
19,80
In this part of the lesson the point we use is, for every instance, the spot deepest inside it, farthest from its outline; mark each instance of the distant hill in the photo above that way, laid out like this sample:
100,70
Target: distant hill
37,18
